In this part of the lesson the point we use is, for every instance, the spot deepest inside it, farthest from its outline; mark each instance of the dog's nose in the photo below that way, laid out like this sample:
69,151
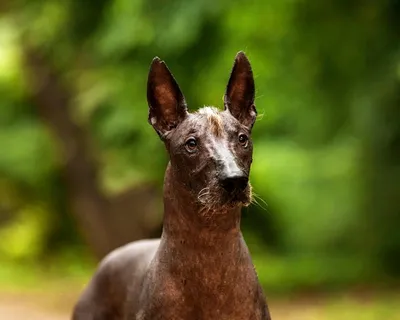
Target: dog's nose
234,183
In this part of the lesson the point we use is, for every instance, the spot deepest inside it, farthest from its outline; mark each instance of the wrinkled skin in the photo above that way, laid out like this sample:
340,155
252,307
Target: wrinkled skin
201,267
218,153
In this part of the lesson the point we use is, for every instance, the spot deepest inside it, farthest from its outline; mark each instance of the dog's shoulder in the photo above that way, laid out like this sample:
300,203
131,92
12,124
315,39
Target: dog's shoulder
133,255
107,290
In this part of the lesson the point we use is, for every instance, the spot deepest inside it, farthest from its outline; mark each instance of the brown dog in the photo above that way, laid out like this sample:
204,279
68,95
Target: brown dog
201,267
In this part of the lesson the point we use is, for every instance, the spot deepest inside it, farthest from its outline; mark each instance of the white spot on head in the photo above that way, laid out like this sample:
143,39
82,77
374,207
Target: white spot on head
153,120
208,110
214,119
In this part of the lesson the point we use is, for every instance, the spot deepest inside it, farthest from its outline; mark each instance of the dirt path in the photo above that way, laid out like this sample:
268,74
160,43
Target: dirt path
34,307
16,311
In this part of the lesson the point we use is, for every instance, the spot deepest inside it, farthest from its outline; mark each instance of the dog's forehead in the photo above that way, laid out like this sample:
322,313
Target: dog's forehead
212,120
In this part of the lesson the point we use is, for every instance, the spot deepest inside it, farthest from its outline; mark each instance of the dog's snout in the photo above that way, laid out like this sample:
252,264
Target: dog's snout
237,182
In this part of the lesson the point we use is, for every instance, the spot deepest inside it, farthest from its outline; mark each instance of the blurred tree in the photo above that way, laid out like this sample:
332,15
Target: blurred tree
79,64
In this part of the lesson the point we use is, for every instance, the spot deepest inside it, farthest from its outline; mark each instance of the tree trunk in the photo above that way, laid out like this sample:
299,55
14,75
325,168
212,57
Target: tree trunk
105,223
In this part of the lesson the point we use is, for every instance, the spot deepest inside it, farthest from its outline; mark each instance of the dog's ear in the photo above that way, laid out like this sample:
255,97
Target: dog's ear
239,95
167,105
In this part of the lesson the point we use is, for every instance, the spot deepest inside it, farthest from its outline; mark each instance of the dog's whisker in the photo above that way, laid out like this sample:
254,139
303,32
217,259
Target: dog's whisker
256,199
204,190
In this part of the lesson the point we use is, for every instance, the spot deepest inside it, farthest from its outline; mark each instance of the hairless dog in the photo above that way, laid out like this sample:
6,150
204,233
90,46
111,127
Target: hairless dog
201,268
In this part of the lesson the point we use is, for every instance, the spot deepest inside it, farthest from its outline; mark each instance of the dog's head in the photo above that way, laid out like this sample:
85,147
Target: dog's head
210,150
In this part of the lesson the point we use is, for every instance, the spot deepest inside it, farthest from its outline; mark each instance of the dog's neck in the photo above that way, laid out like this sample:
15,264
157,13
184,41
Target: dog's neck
203,255
185,219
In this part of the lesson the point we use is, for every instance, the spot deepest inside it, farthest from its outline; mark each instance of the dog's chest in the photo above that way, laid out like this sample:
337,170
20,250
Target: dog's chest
219,308
214,297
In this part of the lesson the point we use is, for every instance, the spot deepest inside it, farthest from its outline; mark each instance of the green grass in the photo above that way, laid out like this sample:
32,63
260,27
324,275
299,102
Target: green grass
32,278
372,306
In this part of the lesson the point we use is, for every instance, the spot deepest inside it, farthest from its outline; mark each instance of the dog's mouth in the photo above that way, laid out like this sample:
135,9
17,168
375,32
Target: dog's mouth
217,198
238,197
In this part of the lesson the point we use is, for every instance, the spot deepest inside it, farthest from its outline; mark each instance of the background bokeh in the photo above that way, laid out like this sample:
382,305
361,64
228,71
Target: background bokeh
81,170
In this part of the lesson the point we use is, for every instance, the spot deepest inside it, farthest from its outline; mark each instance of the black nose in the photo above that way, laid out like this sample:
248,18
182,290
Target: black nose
234,183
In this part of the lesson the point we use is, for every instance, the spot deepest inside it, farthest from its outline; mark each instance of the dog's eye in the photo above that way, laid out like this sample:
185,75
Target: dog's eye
191,144
243,139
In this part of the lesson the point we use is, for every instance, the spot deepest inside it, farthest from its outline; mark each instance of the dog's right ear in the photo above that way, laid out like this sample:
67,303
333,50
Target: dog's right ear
167,105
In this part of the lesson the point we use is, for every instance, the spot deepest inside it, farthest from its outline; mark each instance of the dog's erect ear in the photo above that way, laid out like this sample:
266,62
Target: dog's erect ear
239,95
167,105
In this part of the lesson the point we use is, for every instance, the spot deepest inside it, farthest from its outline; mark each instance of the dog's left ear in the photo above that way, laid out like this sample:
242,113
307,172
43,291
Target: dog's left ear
239,95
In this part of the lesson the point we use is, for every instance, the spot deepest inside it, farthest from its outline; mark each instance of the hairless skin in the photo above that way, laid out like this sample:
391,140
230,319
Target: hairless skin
201,268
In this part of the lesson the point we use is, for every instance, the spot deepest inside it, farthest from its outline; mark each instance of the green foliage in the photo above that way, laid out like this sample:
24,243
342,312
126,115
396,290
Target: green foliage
312,188
325,142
